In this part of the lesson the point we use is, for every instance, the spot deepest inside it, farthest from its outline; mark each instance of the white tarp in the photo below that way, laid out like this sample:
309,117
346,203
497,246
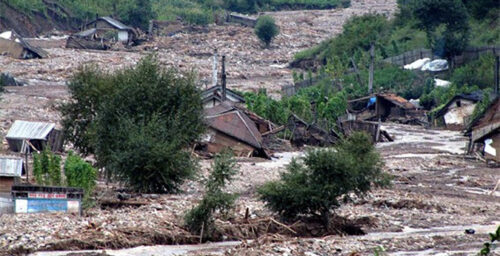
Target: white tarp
435,65
441,83
488,148
417,64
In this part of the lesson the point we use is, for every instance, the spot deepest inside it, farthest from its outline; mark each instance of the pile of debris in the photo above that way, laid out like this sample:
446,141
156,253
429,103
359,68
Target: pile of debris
13,45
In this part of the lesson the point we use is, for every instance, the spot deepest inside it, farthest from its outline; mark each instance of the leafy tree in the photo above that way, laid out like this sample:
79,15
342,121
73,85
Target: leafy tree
266,29
215,199
488,246
89,88
136,13
138,122
80,174
325,179
446,24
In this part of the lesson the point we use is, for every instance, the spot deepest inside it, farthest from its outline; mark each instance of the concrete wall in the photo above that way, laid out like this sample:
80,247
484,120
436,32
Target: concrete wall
6,203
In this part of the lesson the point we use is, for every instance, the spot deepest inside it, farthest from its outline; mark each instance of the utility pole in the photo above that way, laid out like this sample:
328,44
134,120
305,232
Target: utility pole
214,68
223,78
497,82
370,79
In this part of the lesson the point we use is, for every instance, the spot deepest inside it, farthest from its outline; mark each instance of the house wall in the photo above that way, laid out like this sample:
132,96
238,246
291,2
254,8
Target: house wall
492,150
6,184
220,141
456,115
123,36
11,48
6,203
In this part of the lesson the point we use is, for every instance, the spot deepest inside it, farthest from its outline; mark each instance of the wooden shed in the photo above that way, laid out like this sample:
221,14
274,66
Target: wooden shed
26,135
11,170
486,131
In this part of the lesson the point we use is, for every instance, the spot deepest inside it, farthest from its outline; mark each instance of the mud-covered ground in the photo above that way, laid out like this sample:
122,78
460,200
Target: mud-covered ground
436,195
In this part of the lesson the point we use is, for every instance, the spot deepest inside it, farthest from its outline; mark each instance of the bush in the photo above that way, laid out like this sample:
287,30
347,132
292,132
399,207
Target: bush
139,122
326,178
47,168
80,174
266,29
201,216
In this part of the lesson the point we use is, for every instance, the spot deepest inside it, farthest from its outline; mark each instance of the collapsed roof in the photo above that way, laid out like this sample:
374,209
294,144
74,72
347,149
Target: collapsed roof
13,45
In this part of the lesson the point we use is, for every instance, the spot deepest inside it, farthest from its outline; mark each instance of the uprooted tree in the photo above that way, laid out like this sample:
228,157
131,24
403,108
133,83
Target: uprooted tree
215,199
139,123
324,178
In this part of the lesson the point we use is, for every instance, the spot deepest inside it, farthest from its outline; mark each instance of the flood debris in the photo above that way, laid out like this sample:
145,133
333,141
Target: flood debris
386,107
26,136
13,45
311,134
485,133
6,79
371,128
102,33
455,113
241,19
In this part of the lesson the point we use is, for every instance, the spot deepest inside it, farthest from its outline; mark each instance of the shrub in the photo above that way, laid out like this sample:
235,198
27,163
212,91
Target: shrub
201,216
266,29
80,174
47,168
325,178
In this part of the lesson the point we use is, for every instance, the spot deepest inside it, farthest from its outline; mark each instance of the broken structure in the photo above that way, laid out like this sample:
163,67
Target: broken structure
229,127
455,114
241,19
13,45
485,131
101,34
26,136
214,95
304,133
385,107
371,128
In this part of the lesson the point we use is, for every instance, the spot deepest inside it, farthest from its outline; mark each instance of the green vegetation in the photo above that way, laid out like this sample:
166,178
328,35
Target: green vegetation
47,168
326,178
138,12
215,199
139,123
266,29
80,174
494,237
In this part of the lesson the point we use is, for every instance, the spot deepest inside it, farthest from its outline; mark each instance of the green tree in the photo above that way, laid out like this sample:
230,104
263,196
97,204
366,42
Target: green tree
446,24
80,174
139,124
326,178
266,29
136,13
215,199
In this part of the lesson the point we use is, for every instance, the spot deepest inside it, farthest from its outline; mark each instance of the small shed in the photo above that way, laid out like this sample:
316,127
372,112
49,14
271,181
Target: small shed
124,33
88,39
25,135
13,45
455,113
213,96
11,169
304,133
486,131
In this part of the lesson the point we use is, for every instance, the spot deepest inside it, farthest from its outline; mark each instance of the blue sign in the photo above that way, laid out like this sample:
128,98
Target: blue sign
47,205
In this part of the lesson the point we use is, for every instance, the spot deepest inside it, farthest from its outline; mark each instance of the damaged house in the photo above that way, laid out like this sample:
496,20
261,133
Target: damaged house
214,95
101,34
386,107
231,126
485,132
304,133
26,135
11,170
455,114
13,45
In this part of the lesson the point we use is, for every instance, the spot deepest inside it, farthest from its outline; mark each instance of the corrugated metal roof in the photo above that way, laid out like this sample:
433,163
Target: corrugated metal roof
237,125
29,130
86,33
11,166
115,23
397,100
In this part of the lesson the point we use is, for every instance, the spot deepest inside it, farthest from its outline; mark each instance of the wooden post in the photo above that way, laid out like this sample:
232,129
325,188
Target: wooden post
223,78
370,79
26,162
